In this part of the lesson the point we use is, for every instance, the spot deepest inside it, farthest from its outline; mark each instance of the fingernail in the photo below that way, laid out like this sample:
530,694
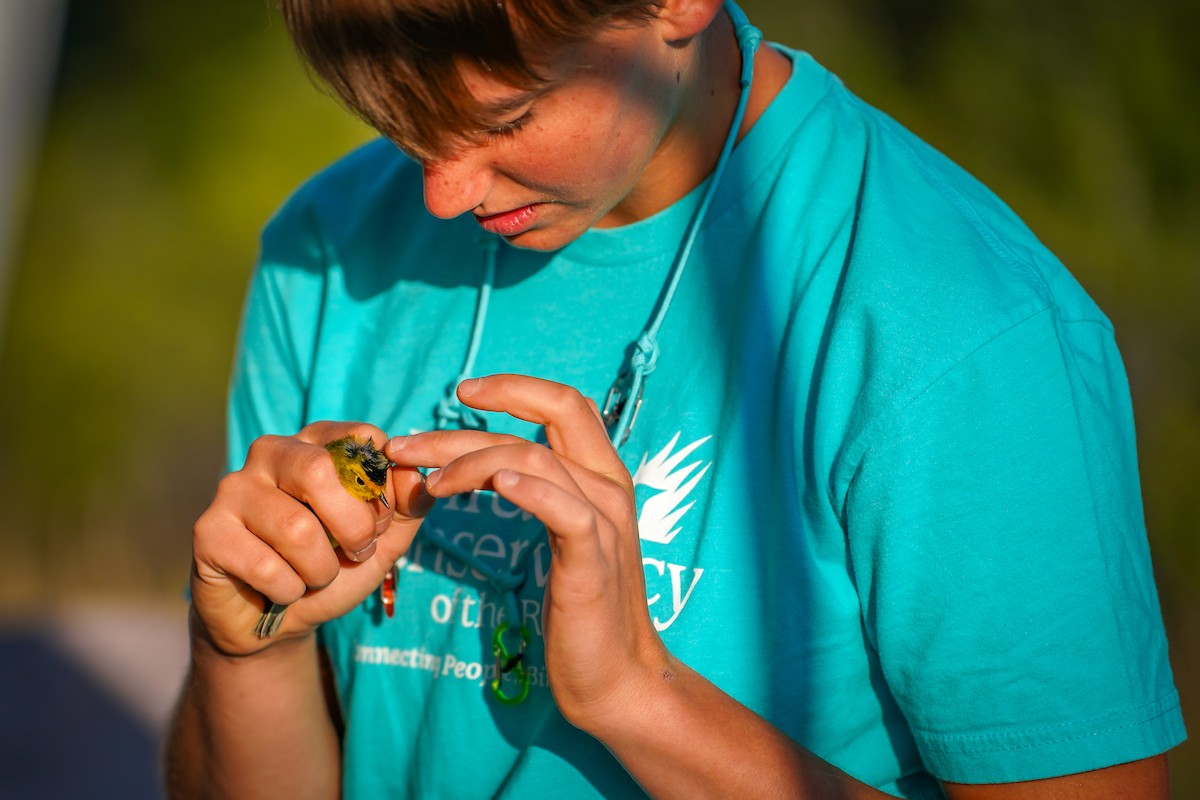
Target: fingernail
381,525
365,553
468,387
395,445
432,478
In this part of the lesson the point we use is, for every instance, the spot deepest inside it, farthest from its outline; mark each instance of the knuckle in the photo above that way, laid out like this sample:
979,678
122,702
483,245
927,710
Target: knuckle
314,466
228,486
593,407
297,527
263,571
541,461
568,399
269,573
585,518
211,533
204,530
206,521
615,493
261,447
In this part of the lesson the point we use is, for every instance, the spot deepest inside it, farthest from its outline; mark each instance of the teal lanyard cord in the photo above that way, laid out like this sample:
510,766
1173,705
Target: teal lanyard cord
511,681
625,395
450,412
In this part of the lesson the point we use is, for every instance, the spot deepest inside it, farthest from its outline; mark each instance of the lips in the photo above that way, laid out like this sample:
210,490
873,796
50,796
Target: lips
509,223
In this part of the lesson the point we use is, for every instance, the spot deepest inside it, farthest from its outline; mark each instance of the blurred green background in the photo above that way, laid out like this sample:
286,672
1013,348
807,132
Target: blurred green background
174,130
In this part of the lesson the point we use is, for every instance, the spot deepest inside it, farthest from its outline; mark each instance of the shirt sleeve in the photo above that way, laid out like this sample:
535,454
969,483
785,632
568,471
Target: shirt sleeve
998,543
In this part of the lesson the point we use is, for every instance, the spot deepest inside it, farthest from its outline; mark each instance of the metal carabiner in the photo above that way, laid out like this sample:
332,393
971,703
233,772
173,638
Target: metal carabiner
616,402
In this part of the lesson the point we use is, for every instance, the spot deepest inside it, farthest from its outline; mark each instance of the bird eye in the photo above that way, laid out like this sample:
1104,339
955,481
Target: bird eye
361,482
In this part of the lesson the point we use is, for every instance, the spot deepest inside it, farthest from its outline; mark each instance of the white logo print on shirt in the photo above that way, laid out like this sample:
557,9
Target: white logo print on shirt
658,524
662,511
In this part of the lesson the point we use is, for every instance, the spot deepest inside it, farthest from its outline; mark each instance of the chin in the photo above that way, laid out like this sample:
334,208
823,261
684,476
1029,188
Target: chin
543,239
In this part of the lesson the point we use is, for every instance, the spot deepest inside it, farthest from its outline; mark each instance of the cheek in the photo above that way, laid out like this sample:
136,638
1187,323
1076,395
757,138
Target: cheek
613,148
583,162
595,154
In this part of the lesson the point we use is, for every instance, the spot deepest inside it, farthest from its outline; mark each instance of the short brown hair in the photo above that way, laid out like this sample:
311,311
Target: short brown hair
395,63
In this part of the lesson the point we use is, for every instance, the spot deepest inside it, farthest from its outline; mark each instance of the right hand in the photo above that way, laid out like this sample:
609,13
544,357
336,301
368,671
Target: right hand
267,533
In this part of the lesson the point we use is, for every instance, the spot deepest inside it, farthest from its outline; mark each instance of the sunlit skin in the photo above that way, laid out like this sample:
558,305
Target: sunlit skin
363,470
618,135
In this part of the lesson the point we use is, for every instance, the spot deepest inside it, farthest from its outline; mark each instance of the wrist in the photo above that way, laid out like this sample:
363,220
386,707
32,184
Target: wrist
207,648
256,724
639,701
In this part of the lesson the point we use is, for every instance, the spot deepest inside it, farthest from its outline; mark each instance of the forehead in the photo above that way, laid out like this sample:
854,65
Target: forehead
430,74
555,65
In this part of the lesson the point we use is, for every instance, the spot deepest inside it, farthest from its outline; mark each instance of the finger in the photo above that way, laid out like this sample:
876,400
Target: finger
294,532
572,522
305,471
438,449
325,431
225,552
572,424
476,469
410,500
435,449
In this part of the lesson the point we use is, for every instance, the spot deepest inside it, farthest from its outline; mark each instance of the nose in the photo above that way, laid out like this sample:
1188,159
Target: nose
456,184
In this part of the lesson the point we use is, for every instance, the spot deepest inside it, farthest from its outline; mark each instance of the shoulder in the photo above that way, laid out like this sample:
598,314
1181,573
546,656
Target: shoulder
928,249
907,266
372,167
372,179
897,217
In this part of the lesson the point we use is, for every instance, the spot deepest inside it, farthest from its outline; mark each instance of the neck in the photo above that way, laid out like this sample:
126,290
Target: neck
707,70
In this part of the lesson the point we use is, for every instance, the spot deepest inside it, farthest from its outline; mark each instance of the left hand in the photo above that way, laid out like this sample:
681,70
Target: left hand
600,643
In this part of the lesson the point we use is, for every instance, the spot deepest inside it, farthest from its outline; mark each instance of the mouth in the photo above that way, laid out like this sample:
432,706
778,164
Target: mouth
511,222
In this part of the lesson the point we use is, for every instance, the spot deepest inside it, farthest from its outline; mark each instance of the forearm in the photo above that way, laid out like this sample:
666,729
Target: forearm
681,736
253,726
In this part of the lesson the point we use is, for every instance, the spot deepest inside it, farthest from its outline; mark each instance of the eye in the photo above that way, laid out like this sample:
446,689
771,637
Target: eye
511,126
361,482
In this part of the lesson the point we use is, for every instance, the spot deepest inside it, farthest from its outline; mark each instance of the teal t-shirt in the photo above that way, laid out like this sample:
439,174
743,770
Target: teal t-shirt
885,464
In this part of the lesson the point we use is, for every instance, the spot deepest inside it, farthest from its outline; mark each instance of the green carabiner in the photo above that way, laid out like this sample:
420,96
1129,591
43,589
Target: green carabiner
508,663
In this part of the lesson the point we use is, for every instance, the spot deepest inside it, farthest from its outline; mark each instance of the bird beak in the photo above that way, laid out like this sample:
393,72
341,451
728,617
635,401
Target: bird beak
383,499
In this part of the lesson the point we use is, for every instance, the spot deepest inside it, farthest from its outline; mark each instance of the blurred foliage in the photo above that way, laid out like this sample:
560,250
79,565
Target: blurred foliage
175,132
177,129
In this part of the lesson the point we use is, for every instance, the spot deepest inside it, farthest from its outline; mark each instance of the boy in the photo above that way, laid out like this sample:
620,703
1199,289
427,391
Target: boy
856,512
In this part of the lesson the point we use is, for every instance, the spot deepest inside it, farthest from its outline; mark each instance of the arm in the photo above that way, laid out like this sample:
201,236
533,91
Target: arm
688,739
254,720
1146,779
253,726
675,732
680,736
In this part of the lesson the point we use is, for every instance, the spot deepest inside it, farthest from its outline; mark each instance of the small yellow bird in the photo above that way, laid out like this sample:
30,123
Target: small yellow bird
362,468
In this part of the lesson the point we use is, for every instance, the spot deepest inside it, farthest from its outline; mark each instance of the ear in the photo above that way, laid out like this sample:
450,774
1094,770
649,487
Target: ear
680,20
